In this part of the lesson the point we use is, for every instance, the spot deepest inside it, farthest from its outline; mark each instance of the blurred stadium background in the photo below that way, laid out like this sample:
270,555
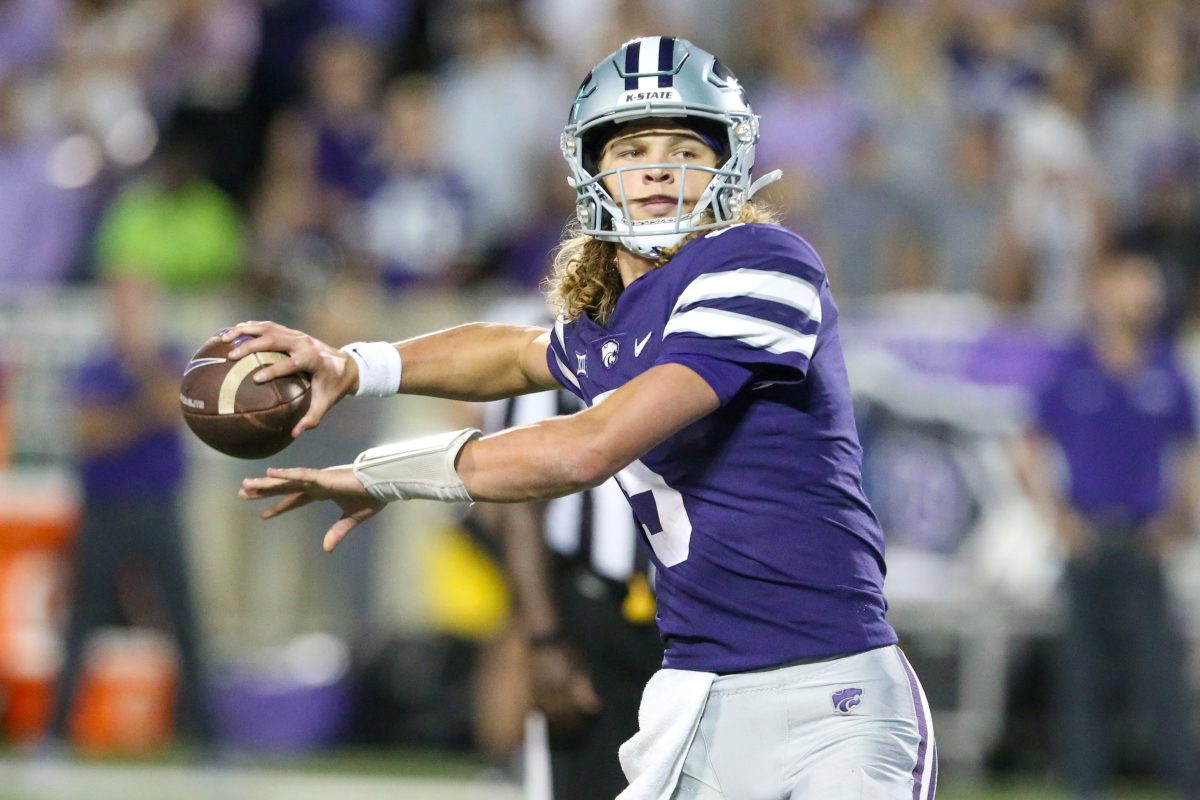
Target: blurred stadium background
370,169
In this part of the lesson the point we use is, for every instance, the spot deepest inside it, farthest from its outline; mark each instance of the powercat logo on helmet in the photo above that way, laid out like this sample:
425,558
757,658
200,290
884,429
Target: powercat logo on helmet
646,95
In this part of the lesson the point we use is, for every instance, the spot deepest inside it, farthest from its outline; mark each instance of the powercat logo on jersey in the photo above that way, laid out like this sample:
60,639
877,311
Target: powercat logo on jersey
608,353
649,71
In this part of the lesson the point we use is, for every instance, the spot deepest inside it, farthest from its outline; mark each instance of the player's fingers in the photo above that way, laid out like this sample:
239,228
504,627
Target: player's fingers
255,488
312,418
279,369
351,516
337,532
300,476
273,486
270,336
289,503
255,334
265,342
252,328
306,423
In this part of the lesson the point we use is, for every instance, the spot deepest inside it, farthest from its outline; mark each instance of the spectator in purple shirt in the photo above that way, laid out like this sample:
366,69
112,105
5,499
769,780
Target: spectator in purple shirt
1120,413
131,467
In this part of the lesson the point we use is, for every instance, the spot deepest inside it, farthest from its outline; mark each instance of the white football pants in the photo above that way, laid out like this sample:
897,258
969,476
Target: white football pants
851,728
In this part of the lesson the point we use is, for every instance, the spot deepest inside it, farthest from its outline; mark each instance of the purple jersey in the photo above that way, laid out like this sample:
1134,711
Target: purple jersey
766,548
1116,433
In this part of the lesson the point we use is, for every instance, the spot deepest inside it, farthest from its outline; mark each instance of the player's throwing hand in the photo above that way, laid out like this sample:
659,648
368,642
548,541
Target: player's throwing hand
334,373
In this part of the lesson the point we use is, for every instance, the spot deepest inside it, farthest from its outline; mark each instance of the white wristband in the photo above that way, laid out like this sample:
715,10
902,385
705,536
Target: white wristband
379,368
417,469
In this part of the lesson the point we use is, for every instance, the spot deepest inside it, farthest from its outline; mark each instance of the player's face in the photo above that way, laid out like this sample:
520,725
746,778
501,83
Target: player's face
653,192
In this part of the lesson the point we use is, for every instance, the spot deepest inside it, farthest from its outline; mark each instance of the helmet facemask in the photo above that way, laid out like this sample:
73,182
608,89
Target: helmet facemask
610,218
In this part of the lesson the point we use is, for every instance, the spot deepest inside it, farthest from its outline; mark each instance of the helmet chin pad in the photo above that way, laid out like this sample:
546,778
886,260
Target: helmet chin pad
650,246
653,236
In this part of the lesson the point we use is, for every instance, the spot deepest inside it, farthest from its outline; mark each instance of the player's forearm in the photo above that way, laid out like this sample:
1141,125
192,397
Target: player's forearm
548,459
478,361
567,454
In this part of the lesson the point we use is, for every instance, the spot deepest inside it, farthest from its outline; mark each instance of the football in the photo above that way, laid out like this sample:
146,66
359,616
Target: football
231,413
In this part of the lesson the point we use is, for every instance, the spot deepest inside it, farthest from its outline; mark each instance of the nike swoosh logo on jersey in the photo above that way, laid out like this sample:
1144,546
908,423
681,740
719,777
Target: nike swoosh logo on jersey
639,346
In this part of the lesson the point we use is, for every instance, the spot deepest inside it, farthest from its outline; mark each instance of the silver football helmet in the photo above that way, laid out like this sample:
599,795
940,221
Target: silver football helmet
661,77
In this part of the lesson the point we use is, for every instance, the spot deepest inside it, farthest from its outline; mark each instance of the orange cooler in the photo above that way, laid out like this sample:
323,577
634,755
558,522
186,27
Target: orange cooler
39,513
127,697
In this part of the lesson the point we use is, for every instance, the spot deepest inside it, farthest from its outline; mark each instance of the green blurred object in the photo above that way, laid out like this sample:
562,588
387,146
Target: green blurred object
186,238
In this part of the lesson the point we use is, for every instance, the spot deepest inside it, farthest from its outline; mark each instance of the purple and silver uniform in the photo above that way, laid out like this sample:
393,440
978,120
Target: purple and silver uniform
767,550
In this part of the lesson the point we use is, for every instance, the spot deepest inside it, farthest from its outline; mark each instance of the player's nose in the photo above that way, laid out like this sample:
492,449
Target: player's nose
657,175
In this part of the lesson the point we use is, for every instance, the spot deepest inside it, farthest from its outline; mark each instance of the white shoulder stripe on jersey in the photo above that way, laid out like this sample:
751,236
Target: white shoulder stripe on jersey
755,332
778,287
565,370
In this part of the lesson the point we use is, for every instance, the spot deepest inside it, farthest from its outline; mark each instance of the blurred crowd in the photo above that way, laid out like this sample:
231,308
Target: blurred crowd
983,146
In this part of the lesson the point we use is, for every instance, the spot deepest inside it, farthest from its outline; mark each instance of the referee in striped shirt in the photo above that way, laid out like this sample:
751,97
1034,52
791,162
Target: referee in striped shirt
582,590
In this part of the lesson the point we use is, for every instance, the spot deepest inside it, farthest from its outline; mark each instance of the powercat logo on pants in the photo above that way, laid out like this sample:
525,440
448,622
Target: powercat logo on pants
846,700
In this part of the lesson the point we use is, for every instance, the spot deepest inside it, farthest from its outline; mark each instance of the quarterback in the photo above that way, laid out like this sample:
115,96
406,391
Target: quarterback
703,339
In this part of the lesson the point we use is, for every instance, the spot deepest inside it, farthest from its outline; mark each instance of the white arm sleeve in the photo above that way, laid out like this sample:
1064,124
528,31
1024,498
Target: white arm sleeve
417,469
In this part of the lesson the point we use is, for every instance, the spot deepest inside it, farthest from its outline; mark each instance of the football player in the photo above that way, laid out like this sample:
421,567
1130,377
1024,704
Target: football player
704,341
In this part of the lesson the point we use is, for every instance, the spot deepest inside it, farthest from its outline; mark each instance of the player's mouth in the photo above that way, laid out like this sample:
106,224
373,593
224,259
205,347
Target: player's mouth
659,205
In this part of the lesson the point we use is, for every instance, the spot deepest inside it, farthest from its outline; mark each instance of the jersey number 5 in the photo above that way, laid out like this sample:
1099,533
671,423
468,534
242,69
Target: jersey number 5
659,509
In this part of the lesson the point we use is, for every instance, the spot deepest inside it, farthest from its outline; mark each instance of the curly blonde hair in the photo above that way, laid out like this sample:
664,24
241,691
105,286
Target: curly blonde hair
584,278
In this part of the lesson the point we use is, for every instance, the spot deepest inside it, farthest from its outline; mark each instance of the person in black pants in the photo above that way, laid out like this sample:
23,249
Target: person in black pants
584,601
131,467
1119,411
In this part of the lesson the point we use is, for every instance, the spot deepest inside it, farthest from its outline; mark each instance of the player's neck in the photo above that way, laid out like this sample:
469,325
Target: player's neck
632,266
